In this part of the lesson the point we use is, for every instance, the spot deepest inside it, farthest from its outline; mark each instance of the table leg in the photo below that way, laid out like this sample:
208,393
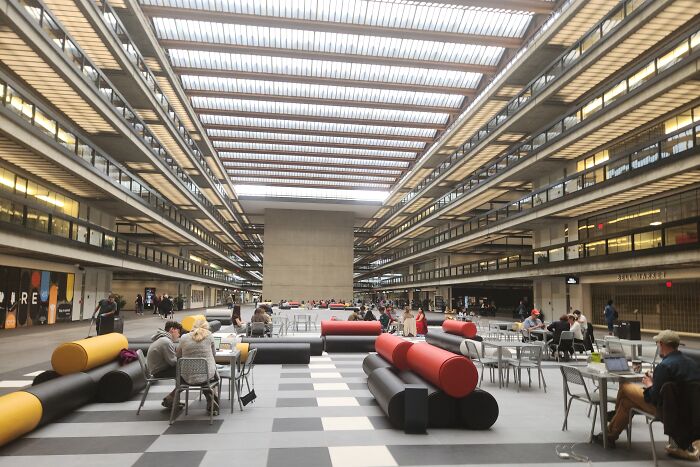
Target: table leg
603,388
500,366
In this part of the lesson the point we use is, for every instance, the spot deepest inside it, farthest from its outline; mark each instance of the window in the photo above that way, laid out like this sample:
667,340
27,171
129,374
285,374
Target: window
619,244
595,248
682,234
645,240
60,227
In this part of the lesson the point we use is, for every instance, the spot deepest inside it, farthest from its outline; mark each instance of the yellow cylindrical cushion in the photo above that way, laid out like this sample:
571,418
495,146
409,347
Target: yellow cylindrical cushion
188,321
243,347
21,413
85,354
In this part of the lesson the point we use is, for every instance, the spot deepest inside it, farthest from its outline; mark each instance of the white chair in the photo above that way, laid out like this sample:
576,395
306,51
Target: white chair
195,369
472,353
573,377
529,358
150,379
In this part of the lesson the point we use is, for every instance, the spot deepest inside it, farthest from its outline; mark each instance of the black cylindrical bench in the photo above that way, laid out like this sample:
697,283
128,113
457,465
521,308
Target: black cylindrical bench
374,361
478,410
441,407
63,395
316,343
445,341
349,343
120,384
388,390
279,353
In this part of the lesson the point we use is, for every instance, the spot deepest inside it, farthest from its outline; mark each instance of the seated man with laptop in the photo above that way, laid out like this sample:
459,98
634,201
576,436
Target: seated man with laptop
674,367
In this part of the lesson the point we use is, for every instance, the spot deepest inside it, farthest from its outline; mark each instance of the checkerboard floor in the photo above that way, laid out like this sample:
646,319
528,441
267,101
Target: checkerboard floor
319,414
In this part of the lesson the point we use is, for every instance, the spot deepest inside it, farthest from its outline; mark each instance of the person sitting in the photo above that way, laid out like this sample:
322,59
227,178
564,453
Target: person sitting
354,317
385,318
556,328
409,323
363,311
238,323
533,322
369,316
161,358
260,316
199,343
674,367
421,323
575,326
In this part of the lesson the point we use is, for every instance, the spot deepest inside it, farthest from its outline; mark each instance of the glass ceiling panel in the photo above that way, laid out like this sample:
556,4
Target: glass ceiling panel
313,149
414,15
318,91
323,69
208,119
315,193
283,137
334,169
348,184
351,113
325,42
295,175
311,159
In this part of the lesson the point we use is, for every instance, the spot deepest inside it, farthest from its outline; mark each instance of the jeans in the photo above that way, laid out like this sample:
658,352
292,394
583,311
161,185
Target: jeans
628,397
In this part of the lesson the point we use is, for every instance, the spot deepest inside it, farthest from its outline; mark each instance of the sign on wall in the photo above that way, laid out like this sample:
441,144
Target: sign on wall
149,298
30,297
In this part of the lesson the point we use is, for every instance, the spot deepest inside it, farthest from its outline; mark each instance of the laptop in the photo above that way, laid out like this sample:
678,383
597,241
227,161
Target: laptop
618,366
217,342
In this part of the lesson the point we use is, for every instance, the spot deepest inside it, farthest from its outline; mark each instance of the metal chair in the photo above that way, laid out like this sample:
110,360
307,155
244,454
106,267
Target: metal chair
242,372
572,376
613,346
529,358
229,373
150,379
565,344
257,329
487,362
196,369
315,322
650,419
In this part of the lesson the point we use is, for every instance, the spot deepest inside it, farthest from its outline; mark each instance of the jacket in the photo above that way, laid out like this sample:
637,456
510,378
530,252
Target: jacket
680,412
161,353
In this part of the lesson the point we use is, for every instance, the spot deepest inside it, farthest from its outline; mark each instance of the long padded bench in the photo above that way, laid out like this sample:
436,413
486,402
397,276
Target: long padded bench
339,344
279,353
316,343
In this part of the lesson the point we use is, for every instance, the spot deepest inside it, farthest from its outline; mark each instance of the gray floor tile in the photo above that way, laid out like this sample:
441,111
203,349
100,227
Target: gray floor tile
193,427
295,387
297,402
76,445
170,459
299,457
297,424
295,375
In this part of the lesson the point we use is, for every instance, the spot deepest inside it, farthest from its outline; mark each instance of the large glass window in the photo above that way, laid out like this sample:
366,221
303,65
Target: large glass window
619,244
645,240
682,234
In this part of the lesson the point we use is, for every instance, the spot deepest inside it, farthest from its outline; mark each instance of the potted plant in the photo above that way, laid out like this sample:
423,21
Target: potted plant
179,302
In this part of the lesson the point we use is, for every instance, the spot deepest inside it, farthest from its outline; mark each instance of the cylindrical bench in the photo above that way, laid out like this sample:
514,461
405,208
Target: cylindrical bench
445,341
279,353
454,374
63,395
349,343
388,391
215,325
44,376
394,349
374,361
84,354
120,384
316,343
459,328
224,316
22,412
478,411
142,346
442,409
350,328
188,321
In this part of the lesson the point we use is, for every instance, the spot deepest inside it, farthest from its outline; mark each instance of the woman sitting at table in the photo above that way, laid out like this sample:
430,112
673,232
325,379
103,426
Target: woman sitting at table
238,323
199,343
575,326
556,328
421,323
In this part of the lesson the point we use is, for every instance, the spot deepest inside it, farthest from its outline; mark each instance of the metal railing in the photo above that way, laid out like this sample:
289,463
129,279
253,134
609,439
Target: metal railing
78,148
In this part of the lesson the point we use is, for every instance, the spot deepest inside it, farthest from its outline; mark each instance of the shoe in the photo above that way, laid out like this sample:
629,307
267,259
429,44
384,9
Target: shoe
598,439
690,454
611,414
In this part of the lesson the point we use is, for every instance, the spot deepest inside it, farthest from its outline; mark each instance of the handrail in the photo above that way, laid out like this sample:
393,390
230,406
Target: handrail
567,251
561,64
675,144
562,126
101,164
78,232
93,75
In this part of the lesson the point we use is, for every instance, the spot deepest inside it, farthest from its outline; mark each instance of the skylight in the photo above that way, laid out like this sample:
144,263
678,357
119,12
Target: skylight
315,193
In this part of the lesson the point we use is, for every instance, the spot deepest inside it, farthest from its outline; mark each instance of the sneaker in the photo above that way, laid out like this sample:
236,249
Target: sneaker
690,454
598,439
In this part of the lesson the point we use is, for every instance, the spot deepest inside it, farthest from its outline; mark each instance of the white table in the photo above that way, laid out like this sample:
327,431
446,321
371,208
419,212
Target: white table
636,346
500,345
234,356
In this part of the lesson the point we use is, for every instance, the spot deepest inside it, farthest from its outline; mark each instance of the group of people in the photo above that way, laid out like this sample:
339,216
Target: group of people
413,325
575,322
171,343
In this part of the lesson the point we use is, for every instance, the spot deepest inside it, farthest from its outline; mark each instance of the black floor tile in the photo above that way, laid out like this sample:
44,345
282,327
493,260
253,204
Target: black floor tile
297,402
78,445
297,424
299,457
170,459
193,427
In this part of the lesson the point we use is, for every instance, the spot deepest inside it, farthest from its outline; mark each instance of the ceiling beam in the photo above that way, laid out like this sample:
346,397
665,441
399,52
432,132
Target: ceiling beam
326,56
357,83
532,6
313,154
232,162
311,143
329,26
316,118
301,131
322,101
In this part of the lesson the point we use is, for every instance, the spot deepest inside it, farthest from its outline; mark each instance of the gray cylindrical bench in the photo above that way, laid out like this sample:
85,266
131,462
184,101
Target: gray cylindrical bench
223,316
316,343
279,353
349,343
449,342
374,361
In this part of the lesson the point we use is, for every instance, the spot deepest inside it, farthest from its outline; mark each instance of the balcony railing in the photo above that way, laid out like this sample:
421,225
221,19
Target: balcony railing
680,52
110,95
605,27
615,245
676,144
88,237
78,148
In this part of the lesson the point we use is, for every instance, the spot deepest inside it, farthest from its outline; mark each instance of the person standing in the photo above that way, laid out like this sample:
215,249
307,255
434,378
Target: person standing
104,314
421,323
610,315
139,304
166,307
156,304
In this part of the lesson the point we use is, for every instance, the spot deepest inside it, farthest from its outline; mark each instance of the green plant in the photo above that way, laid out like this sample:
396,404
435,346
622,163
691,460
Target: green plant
179,302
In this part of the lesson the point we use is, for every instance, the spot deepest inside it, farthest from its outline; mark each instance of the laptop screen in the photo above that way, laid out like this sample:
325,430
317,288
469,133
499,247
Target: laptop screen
217,342
616,364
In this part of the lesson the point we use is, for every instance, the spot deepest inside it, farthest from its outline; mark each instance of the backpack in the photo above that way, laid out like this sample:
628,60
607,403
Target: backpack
615,315
127,356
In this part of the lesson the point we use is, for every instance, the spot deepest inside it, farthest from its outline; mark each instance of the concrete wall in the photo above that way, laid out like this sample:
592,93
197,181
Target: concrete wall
130,288
308,255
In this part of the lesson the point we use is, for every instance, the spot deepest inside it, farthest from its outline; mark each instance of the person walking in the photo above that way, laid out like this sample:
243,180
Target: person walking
139,304
166,307
104,314
610,315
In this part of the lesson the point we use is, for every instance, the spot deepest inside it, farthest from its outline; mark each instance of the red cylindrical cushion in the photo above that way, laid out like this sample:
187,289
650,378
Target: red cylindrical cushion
393,349
461,328
454,374
351,328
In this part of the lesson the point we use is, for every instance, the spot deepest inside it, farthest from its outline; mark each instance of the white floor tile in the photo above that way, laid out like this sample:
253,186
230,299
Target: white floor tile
321,366
331,387
34,373
346,423
321,359
361,456
337,402
14,383
330,374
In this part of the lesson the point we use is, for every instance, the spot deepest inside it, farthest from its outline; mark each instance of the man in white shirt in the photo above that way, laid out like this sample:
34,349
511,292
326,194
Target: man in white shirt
581,319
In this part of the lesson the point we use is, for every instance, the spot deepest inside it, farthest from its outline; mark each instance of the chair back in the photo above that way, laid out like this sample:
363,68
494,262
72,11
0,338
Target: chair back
573,376
614,347
249,362
531,353
472,351
193,369
144,365
257,329
566,336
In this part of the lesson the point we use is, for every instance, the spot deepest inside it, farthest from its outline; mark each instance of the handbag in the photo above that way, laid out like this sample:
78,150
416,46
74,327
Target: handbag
248,398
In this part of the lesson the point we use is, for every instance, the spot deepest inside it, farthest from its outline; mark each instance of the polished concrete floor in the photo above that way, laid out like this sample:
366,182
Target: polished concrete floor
319,414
